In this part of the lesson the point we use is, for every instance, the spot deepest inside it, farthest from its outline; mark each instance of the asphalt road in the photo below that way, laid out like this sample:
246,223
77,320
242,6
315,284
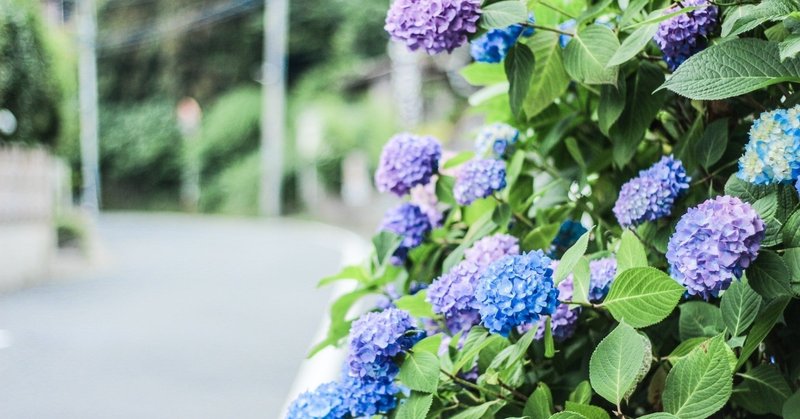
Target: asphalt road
193,317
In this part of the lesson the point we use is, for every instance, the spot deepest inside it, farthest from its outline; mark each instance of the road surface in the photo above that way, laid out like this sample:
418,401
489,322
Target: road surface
193,317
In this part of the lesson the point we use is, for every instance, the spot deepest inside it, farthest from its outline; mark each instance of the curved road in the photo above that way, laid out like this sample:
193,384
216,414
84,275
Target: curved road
193,317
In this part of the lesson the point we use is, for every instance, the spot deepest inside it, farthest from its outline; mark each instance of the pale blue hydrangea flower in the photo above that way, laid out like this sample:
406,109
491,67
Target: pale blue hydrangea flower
495,140
368,396
324,402
773,154
493,46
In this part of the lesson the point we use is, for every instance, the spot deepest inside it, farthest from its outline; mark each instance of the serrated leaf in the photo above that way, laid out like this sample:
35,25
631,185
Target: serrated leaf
483,74
767,209
769,276
764,390
420,372
616,362
642,296
631,253
568,415
701,383
659,415
429,344
791,230
641,106
581,280
588,411
633,44
503,14
519,64
765,321
571,257
731,69
761,13
746,191
477,412
739,307
684,348
415,305
587,55
711,146
549,80
540,403
415,407
699,319
791,257
789,47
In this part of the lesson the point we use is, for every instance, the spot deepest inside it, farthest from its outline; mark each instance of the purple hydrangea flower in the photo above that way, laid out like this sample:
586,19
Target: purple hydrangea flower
407,161
714,243
773,153
493,46
491,248
453,296
406,220
683,35
325,402
376,338
433,25
424,196
478,179
601,275
495,139
368,396
568,234
516,290
651,195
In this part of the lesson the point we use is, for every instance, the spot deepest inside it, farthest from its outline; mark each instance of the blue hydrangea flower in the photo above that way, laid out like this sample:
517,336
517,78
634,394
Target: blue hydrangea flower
491,248
494,140
683,35
516,290
478,179
406,220
714,243
433,25
568,234
797,186
651,195
566,26
376,338
406,161
773,153
453,296
493,46
564,319
368,396
601,275
325,402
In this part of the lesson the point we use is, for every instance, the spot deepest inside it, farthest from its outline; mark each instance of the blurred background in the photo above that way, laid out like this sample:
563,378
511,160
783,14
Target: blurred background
170,173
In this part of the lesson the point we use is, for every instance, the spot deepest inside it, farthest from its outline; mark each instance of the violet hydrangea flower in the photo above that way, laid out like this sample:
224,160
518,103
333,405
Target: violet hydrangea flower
652,194
495,139
493,46
773,153
433,25
491,248
407,161
376,338
714,243
324,402
516,290
478,179
408,221
683,35
601,275
453,296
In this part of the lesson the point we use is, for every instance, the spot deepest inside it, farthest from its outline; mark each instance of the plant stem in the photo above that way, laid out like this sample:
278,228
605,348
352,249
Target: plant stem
513,391
557,9
474,386
524,220
547,28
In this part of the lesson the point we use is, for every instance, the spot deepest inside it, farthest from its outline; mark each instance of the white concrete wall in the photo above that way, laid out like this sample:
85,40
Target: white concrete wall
26,249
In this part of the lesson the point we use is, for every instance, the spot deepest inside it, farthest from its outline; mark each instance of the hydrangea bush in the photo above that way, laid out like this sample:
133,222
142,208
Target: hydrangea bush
624,239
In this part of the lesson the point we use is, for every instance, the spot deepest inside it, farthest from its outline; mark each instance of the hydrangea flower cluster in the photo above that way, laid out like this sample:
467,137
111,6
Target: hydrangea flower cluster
601,275
491,248
406,220
568,234
797,186
424,196
453,296
368,396
773,153
516,290
376,338
406,161
478,179
683,35
433,25
564,319
713,243
325,402
652,194
495,139
493,46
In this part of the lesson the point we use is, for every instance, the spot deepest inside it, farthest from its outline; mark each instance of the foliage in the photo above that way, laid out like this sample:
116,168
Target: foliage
591,116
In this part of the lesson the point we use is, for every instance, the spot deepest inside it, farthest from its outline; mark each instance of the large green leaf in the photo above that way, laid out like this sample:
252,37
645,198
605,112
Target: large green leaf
631,253
711,146
641,106
732,68
587,55
700,383
791,230
642,296
612,103
588,411
483,74
477,412
739,307
519,65
792,259
765,321
699,319
769,276
767,209
615,365
791,409
581,281
571,258
549,80
415,407
747,191
790,46
420,372
540,403
764,390
416,305
503,14
763,12
633,44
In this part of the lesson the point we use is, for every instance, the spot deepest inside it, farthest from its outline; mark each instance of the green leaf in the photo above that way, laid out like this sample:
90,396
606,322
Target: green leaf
415,305
340,326
467,356
581,281
355,272
633,44
540,237
549,80
586,410
420,372
764,323
699,319
582,393
483,74
763,12
791,230
571,257
732,68
587,55
515,167
641,107
480,228
458,159
684,348
540,403
792,259
477,412
711,146
659,415
642,296
769,276
415,407
701,383
549,345
519,64
789,47
631,253
612,103
503,14
429,344
385,243
745,190
764,390
791,409
568,415
739,307
444,189
767,209
616,363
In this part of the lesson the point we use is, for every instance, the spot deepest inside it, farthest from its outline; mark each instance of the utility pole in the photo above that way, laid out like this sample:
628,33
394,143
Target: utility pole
87,97
273,106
